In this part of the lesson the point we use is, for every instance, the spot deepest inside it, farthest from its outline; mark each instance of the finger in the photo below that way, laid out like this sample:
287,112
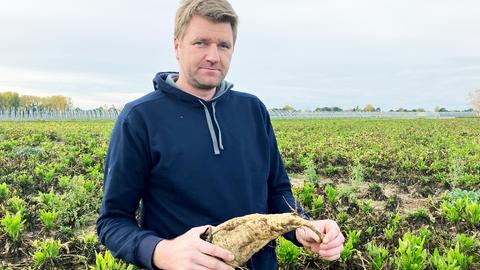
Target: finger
210,262
198,267
215,251
333,243
332,232
199,230
330,252
332,258
309,235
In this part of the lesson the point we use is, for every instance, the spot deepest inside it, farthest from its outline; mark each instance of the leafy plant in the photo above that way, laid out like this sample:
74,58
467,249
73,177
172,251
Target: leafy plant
461,208
13,225
287,252
367,206
50,200
421,214
47,251
410,254
306,195
108,262
392,228
357,175
353,238
16,205
378,256
425,233
467,244
3,191
49,218
89,239
331,194
311,172
454,259
318,206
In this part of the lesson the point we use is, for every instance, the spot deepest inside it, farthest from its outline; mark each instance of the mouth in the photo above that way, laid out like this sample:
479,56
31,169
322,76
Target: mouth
210,69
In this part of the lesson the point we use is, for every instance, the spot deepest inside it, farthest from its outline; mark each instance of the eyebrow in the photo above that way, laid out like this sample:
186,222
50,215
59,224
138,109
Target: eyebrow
208,40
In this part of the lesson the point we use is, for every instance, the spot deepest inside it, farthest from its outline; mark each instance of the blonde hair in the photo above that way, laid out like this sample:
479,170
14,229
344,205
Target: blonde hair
217,11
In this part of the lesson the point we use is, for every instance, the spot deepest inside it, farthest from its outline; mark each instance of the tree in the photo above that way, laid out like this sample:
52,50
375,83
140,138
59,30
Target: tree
288,108
9,100
475,100
30,102
369,108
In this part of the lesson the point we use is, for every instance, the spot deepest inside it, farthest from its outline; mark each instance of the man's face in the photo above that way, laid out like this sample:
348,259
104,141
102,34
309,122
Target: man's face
204,53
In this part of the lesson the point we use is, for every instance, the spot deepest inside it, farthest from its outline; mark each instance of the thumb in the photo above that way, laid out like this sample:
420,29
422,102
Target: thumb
308,235
200,230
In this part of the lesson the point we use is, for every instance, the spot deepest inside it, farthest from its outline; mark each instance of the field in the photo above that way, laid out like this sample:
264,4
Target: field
406,193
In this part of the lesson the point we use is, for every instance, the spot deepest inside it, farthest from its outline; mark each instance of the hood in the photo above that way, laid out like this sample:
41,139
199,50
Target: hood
165,82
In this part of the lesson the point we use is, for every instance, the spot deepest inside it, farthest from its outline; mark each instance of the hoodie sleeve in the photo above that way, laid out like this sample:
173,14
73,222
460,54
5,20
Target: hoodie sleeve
126,170
280,199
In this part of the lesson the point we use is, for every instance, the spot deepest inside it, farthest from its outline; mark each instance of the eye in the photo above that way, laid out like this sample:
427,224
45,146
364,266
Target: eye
200,43
224,45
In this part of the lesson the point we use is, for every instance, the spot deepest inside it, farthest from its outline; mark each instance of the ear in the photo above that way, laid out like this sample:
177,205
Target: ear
176,44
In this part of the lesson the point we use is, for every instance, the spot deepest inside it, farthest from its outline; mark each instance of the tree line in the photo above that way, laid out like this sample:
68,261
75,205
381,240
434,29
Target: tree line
15,102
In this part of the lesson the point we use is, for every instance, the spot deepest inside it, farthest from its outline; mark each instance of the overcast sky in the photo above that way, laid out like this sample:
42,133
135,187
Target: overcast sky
305,53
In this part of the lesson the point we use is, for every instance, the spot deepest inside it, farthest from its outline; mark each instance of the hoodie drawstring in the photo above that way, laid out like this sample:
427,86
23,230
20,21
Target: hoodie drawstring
217,144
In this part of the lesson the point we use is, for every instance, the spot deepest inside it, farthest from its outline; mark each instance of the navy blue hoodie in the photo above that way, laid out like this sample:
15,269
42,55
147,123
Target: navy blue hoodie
191,162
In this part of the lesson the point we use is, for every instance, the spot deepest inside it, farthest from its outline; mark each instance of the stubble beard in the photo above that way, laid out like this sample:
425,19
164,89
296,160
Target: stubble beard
202,86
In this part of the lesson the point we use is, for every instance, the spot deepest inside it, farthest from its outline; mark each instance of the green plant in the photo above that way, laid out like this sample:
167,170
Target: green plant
357,175
425,233
370,230
461,208
13,225
318,206
347,251
342,217
44,173
16,205
353,238
331,194
3,191
366,206
392,228
311,172
410,254
50,200
467,244
472,212
420,214
47,251
287,252
49,218
108,262
63,181
89,239
453,260
389,231
306,195
378,256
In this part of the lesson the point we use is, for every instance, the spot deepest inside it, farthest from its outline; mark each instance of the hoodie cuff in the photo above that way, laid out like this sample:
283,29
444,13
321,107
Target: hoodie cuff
145,250
290,236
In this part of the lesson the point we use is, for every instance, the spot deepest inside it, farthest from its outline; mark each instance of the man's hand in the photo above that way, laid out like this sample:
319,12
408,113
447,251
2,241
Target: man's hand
188,251
332,244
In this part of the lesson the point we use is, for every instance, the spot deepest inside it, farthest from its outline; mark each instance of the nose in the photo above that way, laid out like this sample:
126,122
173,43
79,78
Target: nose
212,54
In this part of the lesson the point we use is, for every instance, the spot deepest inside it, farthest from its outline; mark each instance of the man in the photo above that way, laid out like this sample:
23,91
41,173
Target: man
196,153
